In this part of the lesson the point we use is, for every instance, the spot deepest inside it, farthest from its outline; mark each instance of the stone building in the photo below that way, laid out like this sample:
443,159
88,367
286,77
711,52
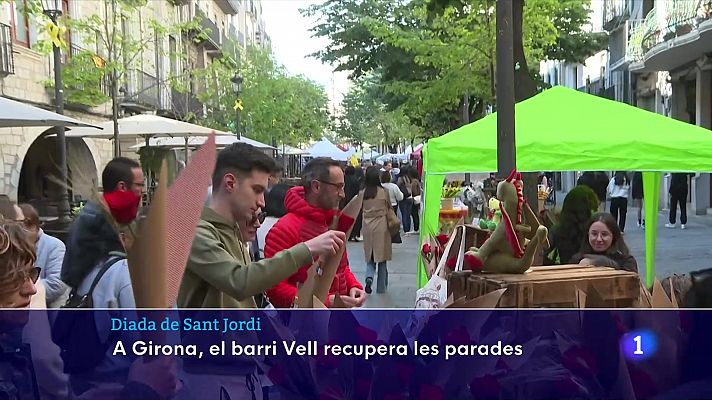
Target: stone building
28,168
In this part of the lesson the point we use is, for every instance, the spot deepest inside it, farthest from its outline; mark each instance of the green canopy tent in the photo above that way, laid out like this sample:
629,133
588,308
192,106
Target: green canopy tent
562,129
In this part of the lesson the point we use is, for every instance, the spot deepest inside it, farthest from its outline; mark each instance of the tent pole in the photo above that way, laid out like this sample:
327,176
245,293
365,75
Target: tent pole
186,151
506,148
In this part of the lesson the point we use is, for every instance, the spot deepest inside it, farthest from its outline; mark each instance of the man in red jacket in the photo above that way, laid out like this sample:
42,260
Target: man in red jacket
310,210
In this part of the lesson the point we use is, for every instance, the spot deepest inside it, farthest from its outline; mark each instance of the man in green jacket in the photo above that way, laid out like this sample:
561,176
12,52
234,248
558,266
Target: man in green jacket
219,273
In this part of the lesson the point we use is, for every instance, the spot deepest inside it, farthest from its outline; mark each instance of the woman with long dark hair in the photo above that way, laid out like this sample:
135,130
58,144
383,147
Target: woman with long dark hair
570,231
618,189
405,184
416,190
353,176
604,246
637,193
377,245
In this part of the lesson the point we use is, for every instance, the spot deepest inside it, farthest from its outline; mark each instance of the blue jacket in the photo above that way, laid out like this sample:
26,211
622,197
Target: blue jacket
50,255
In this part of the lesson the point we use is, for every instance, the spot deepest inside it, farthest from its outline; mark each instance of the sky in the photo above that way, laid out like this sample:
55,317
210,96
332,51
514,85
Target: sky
292,43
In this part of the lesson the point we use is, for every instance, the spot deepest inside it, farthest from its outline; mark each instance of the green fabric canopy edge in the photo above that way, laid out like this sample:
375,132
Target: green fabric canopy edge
557,123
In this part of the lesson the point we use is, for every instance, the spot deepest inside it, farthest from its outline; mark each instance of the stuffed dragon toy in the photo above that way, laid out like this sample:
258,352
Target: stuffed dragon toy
511,247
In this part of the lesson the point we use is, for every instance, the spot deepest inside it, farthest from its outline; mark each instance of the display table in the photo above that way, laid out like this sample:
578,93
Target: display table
551,286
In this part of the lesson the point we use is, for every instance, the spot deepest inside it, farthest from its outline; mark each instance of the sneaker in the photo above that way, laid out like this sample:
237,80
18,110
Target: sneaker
369,281
670,226
639,224
682,226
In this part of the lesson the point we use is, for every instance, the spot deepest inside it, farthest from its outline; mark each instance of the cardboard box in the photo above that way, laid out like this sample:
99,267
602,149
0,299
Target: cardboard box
556,286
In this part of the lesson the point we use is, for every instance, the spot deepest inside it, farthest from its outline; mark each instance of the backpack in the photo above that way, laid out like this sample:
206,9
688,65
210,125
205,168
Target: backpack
405,187
75,332
415,188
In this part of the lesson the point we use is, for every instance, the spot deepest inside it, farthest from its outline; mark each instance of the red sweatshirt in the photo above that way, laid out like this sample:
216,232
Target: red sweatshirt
303,222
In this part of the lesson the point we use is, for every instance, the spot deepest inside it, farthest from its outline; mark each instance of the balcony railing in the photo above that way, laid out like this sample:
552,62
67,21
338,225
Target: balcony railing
186,103
634,47
598,88
210,28
7,57
143,89
98,62
229,7
614,12
679,17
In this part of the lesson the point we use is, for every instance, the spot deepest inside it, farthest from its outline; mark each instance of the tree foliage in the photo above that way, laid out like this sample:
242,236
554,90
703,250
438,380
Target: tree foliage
276,106
366,119
431,55
290,109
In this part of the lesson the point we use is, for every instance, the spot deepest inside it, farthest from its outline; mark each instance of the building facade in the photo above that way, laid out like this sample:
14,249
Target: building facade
658,58
665,47
28,169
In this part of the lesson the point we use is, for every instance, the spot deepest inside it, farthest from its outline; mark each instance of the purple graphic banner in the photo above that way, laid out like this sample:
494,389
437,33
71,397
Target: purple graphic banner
359,354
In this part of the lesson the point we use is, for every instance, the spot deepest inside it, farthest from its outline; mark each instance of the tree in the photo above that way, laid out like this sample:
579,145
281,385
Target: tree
118,38
276,106
449,44
365,117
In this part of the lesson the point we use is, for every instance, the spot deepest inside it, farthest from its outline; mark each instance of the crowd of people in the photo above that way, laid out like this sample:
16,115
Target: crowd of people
257,237
254,244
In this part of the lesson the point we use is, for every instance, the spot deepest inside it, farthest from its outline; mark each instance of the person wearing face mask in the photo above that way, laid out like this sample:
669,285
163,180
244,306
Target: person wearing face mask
92,235
604,246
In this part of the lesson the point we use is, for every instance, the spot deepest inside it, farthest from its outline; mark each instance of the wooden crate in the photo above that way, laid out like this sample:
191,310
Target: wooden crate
555,286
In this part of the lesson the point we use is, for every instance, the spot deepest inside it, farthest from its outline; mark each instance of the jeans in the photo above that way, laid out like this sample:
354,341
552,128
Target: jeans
682,201
619,205
415,213
406,206
382,281
356,231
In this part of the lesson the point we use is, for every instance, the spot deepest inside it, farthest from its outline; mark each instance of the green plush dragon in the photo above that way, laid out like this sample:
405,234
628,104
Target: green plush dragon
511,247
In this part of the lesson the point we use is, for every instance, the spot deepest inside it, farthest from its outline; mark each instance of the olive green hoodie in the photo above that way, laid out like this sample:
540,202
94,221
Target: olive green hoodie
219,273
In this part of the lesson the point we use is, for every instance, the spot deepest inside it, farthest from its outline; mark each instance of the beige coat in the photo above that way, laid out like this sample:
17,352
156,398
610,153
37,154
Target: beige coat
376,238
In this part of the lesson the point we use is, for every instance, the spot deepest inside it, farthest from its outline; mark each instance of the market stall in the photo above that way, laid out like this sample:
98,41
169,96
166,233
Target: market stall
324,148
566,130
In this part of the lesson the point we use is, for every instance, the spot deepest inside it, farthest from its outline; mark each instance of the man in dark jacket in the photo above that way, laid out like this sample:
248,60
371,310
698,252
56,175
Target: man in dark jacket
92,235
678,195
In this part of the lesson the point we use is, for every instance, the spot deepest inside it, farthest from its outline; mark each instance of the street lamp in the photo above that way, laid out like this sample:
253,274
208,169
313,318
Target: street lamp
237,88
53,9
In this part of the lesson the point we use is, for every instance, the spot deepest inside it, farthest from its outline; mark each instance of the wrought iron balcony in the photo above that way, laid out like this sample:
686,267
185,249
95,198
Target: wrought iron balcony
598,88
143,90
678,18
210,28
614,13
7,57
186,103
98,62
229,7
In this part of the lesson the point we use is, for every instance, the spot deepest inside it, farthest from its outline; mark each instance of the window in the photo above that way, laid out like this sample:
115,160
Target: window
20,23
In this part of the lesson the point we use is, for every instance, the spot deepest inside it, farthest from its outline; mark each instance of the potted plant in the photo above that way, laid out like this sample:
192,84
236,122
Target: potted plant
451,191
